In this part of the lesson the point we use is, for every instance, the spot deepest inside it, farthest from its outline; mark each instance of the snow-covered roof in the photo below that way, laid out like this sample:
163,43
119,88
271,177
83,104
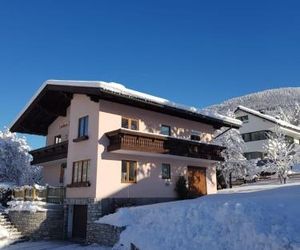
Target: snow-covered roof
269,118
120,90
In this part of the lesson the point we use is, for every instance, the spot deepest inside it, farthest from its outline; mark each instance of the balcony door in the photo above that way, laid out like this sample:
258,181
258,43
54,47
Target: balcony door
197,181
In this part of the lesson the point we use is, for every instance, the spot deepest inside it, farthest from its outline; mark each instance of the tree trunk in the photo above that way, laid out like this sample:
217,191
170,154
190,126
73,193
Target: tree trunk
230,180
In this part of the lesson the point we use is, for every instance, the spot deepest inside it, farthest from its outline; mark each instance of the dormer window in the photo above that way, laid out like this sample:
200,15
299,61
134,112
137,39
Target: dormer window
130,123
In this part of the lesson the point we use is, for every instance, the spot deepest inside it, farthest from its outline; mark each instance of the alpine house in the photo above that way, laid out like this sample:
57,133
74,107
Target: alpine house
110,146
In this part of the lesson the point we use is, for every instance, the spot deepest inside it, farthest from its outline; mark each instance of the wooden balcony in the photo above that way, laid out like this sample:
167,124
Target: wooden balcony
127,140
50,153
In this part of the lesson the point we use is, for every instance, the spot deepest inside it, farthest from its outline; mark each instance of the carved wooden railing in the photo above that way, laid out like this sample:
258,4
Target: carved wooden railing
123,139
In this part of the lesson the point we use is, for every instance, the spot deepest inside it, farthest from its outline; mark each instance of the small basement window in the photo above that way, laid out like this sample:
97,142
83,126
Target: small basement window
129,169
129,123
165,130
165,171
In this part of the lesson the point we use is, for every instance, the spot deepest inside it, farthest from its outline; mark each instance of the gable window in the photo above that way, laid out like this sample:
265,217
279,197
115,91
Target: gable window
165,171
128,171
243,118
129,123
80,171
57,139
83,124
165,130
195,136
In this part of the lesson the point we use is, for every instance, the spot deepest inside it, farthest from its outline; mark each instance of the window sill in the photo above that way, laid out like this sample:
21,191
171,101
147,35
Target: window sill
79,184
132,182
81,138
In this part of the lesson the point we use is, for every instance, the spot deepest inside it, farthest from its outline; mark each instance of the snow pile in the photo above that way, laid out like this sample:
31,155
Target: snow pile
267,219
31,206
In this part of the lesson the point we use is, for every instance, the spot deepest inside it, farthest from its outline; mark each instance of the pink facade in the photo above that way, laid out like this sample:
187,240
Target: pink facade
105,167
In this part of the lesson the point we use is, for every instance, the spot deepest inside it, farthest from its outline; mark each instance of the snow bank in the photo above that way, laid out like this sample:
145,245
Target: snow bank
267,219
31,206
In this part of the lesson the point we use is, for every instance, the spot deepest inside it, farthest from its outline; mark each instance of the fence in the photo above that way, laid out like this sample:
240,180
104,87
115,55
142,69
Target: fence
46,194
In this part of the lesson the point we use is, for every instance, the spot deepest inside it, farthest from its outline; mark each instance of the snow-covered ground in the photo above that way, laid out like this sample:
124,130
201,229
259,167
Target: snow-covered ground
4,234
262,216
32,206
52,245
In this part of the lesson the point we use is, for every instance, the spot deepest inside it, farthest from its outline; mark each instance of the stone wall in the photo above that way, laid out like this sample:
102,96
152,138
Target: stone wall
41,224
103,234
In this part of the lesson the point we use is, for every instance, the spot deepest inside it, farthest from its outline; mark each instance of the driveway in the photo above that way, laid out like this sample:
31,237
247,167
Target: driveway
53,245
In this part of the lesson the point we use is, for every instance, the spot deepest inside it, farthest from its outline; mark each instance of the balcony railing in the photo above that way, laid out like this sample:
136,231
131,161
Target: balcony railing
50,153
123,139
46,194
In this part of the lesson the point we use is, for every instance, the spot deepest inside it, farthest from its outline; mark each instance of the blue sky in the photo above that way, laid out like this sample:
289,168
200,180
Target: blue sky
192,52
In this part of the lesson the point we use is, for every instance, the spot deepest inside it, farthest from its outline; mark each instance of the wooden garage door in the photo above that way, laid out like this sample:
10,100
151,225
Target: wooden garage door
79,221
197,181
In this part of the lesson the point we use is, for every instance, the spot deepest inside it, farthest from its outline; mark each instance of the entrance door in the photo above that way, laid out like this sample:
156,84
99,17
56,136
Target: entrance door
79,221
197,181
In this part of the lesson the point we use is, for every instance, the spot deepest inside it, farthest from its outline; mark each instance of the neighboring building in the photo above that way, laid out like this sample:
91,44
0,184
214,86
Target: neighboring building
111,147
255,129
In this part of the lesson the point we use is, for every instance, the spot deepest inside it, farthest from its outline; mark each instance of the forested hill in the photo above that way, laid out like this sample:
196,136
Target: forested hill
283,103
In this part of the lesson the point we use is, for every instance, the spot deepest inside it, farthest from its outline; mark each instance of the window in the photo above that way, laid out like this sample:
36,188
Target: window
129,171
80,171
130,123
62,173
83,126
165,130
244,118
196,135
166,171
57,139
256,136
253,155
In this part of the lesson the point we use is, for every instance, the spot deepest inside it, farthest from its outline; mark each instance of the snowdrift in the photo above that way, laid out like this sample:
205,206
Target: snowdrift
268,219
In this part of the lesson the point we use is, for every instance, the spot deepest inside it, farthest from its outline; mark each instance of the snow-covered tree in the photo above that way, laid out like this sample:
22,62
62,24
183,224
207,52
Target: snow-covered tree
15,160
281,154
235,164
